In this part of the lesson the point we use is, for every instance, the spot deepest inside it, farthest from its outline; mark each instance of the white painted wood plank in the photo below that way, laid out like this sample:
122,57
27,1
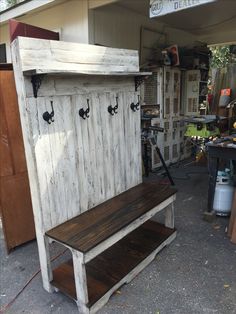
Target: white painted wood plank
107,146
57,55
99,146
72,85
121,141
77,70
37,66
80,279
32,170
137,141
87,147
170,216
83,174
40,148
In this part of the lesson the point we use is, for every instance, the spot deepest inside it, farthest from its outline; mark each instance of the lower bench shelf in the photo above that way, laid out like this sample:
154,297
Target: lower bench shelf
117,265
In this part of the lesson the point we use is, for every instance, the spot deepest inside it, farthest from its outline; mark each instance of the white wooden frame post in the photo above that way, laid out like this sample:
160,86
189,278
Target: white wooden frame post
80,281
170,216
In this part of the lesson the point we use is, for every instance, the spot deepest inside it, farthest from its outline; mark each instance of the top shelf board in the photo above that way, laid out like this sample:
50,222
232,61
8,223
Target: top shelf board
74,72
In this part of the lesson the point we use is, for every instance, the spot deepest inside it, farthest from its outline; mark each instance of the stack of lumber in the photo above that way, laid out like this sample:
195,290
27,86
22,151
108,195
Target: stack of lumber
232,222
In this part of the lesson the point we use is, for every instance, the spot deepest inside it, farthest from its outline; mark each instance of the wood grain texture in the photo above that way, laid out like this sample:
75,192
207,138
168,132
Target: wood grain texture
44,255
10,103
49,55
75,164
17,214
83,153
15,201
89,229
110,267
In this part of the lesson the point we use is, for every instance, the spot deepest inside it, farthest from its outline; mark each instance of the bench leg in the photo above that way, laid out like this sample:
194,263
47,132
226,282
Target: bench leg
45,263
80,282
169,216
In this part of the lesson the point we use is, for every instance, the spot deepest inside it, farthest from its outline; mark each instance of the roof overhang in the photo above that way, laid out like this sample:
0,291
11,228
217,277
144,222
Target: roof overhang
207,20
25,7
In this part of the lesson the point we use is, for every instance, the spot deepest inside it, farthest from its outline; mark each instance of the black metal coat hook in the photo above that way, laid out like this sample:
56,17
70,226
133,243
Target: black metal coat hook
113,110
48,117
85,113
135,107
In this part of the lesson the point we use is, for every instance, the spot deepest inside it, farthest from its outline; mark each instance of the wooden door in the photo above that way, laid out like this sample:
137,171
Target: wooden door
15,201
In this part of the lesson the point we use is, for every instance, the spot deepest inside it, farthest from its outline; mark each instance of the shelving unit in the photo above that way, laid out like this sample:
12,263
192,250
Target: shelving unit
195,91
163,88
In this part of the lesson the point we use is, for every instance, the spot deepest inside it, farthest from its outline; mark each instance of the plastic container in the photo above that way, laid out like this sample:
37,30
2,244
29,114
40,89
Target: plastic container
223,198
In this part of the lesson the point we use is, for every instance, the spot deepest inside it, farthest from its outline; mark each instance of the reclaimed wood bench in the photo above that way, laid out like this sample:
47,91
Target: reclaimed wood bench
82,141
112,243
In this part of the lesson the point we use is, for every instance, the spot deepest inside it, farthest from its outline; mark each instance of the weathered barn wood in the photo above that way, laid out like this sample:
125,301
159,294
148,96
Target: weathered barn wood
77,162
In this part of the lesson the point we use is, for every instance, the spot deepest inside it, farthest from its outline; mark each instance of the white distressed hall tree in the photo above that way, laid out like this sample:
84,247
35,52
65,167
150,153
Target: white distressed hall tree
77,160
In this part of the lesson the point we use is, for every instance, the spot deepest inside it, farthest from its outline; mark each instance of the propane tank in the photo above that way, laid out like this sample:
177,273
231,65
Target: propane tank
223,198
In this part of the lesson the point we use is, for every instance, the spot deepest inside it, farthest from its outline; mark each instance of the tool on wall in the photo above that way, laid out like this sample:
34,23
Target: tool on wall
85,113
135,107
113,110
48,117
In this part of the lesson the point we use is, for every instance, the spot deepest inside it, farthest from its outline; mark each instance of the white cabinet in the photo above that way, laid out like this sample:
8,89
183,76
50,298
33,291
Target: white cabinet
195,91
164,88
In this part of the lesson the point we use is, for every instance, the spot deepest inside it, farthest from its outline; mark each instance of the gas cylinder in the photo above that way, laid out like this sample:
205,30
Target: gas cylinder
223,198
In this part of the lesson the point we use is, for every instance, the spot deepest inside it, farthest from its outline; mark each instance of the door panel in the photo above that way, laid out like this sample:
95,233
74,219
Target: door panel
6,163
15,139
17,215
15,200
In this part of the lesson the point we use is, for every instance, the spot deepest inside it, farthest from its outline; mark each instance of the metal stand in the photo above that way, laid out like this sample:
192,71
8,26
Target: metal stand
149,137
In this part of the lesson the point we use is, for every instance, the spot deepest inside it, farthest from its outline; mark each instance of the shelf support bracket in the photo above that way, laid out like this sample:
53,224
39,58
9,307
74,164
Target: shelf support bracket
36,81
138,80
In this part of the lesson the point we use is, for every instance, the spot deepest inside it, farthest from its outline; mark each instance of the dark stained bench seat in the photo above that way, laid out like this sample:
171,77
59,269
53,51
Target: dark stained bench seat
91,228
111,243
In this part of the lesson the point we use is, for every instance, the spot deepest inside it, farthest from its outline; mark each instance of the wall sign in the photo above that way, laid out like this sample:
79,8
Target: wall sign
163,7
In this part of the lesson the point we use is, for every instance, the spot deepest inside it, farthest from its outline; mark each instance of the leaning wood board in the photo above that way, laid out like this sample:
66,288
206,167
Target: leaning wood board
76,164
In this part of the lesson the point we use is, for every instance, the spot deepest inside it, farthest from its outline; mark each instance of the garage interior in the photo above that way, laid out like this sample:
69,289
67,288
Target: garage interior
178,102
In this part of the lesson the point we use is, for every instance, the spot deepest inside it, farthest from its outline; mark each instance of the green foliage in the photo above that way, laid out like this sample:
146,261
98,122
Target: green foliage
5,4
220,56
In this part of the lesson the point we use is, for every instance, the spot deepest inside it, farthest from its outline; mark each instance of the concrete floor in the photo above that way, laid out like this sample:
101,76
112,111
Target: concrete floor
195,274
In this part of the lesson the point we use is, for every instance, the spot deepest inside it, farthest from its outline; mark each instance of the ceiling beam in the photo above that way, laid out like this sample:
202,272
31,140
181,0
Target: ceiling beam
93,4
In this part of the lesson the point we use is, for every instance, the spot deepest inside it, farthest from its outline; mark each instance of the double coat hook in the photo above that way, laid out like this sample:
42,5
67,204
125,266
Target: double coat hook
85,113
113,110
48,117
134,107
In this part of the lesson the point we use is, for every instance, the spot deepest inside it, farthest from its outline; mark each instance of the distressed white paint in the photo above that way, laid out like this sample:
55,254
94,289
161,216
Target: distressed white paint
80,279
44,255
76,164
50,56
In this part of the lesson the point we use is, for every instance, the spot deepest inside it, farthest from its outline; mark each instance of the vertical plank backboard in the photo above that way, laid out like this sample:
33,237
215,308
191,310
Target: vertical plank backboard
74,163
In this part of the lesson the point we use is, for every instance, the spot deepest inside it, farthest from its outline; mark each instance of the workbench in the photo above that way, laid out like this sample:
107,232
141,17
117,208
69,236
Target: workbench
215,153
